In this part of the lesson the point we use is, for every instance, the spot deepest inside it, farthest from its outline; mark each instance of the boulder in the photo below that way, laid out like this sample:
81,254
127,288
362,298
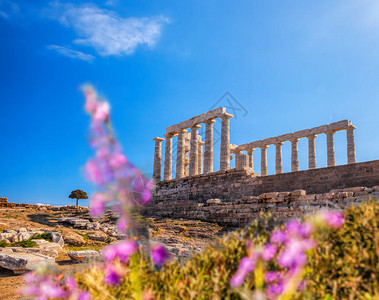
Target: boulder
74,239
213,201
22,262
57,238
98,236
85,255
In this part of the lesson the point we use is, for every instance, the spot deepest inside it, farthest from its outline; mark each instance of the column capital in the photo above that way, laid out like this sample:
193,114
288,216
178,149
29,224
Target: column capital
210,121
226,116
330,132
312,136
158,139
279,143
352,127
196,126
250,150
169,135
295,140
182,131
201,143
264,146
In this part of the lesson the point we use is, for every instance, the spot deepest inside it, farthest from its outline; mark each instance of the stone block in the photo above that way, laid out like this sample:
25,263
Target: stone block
271,195
375,188
354,189
213,201
339,125
298,193
334,191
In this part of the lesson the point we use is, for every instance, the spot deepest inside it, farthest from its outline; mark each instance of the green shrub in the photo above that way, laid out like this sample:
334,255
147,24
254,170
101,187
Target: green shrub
4,244
345,265
25,244
43,236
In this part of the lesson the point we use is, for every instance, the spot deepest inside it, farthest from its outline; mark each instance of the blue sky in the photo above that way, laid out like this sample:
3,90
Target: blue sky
291,64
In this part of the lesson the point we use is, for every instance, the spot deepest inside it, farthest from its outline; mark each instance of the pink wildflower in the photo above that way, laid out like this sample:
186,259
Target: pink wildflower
159,255
332,218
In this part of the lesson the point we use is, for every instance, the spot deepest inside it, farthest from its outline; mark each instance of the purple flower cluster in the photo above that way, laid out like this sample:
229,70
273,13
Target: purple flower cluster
123,185
159,255
287,249
52,286
109,168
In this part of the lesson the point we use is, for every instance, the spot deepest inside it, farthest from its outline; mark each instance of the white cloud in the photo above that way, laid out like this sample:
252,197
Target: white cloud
7,8
71,53
4,15
105,31
111,2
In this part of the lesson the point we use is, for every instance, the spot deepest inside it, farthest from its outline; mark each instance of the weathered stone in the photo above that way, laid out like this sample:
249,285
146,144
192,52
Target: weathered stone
298,193
57,238
21,262
83,256
213,201
72,238
98,236
354,189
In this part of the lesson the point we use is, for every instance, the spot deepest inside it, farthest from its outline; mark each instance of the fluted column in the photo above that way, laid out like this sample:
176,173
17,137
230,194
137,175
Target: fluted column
157,159
278,158
208,148
312,152
180,154
264,160
167,173
250,161
194,150
225,142
200,158
330,148
294,155
350,144
186,153
236,155
242,162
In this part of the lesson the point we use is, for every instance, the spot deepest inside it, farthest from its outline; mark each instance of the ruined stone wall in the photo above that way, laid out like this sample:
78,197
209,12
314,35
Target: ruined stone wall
235,184
283,205
3,200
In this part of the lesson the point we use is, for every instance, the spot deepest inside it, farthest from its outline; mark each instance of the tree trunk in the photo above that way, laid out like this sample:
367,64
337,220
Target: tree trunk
77,202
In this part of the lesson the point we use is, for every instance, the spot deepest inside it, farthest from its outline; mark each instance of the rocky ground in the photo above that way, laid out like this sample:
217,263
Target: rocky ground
81,232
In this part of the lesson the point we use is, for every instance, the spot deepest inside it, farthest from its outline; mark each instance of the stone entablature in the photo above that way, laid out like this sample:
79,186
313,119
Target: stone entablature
193,160
329,130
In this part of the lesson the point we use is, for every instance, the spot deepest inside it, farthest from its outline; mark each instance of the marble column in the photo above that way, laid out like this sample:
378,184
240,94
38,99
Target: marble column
194,150
330,148
350,144
208,148
236,155
186,153
294,155
312,152
264,160
200,158
242,162
278,158
157,159
225,142
167,173
180,154
250,161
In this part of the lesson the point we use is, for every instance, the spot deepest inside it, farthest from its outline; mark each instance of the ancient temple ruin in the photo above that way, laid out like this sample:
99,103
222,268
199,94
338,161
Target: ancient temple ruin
190,160
235,196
